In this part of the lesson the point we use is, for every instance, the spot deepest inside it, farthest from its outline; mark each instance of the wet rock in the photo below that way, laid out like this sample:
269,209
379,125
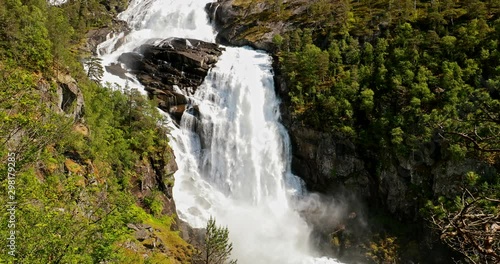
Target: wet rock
116,69
171,68
97,36
133,61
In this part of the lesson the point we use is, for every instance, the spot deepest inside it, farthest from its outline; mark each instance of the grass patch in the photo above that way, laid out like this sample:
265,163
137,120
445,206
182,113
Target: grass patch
170,249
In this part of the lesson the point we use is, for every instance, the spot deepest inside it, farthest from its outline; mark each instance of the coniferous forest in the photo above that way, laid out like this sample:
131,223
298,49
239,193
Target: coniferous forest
410,89
414,83
396,77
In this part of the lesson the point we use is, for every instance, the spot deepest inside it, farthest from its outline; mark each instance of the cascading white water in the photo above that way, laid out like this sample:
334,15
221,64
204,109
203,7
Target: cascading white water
154,19
233,163
233,155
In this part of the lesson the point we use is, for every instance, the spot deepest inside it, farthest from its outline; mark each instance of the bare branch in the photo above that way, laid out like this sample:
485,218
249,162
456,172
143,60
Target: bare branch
471,229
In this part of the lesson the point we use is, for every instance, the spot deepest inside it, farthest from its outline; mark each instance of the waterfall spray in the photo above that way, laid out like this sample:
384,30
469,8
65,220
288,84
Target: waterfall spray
233,155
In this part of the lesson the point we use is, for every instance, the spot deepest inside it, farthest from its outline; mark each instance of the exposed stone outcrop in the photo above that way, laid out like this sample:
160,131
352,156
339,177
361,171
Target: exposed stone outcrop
70,97
241,25
148,240
324,161
389,184
156,173
97,36
172,67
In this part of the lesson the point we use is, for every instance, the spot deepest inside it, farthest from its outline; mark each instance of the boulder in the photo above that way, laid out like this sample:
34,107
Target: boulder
141,234
171,68
132,226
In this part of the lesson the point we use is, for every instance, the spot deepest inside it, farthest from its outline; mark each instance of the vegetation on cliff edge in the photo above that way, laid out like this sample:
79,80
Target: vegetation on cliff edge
75,178
395,76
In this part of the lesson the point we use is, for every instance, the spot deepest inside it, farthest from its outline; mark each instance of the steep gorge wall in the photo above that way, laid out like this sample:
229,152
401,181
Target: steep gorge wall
389,184
394,184
325,159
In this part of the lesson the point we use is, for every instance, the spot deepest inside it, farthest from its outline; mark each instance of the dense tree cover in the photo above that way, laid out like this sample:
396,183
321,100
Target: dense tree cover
403,83
394,75
73,178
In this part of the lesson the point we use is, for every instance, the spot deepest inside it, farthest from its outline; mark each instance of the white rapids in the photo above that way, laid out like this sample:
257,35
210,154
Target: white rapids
233,155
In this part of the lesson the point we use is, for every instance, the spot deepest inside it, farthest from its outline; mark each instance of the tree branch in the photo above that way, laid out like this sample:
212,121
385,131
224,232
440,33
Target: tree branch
474,141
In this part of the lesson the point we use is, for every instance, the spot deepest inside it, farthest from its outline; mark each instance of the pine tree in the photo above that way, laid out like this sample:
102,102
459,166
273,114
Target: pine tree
217,248
94,68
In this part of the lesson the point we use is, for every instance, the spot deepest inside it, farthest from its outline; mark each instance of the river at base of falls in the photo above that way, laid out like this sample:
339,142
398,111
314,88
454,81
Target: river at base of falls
233,154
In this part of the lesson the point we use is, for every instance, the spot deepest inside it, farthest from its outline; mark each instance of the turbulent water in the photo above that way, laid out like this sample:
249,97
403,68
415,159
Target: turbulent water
232,152
155,19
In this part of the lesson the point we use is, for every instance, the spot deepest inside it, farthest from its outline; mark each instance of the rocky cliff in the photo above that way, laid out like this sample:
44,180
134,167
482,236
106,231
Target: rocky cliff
240,25
152,176
391,185
323,159
169,69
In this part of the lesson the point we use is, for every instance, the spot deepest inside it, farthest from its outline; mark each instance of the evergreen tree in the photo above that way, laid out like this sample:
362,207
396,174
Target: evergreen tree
217,248
94,68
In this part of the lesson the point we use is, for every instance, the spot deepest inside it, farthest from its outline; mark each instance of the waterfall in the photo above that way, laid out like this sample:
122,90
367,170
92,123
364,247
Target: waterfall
233,154
154,19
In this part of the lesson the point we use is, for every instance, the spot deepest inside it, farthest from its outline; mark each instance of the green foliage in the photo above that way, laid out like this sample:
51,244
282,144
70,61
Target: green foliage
27,124
401,75
125,126
154,203
61,221
60,34
25,40
94,68
278,40
73,186
83,204
383,250
217,248
423,76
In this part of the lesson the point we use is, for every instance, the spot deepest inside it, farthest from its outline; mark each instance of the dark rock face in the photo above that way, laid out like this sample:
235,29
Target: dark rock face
170,65
394,182
325,161
238,26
